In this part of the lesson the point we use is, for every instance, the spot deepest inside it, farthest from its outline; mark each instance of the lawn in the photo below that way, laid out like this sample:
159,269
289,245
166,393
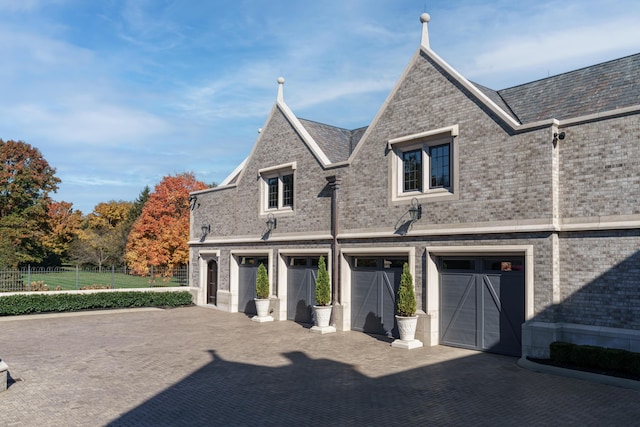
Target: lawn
68,279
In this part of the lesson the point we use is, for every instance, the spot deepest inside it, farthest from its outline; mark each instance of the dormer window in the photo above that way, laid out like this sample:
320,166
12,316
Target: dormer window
277,188
425,165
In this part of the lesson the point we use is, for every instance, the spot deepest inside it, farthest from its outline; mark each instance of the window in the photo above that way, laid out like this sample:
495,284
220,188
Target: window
277,188
425,165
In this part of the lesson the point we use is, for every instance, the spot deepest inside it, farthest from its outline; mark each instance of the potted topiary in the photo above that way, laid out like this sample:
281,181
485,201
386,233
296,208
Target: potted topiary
406,308
262,295
322,309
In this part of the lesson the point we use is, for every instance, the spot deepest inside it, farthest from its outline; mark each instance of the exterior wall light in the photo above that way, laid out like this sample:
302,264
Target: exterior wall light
272,223
206,229
415,211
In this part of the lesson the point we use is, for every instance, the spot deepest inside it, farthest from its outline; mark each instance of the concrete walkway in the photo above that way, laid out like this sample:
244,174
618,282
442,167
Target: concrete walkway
198,366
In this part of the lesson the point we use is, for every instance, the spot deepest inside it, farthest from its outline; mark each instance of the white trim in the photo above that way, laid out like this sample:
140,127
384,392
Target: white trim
471,88
345,273
304,134
283,272
433,277
204,256
234,174
279,168
448,130
290,237
234,272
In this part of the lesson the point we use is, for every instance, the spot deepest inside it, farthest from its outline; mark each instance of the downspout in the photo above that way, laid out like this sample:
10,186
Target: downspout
334,184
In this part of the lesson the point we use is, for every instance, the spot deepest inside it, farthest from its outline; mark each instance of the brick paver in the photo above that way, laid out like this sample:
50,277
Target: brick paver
198,366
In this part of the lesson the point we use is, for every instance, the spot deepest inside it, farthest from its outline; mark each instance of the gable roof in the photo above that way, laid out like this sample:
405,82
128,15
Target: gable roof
337,143
603,87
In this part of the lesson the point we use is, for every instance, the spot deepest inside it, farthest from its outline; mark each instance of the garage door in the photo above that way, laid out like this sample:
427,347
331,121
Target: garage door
301,288
374,283
248,271
482,303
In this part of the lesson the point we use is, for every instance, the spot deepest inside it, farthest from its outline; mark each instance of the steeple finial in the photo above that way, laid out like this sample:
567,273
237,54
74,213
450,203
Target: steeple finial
280,90
425,18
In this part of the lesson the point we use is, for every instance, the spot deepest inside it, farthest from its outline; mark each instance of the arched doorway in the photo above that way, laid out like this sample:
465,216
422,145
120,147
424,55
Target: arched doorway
212,281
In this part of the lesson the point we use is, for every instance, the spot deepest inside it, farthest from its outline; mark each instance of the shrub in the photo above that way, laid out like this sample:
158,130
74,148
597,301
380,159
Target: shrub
406,303
42,303
323,288
587,356
262,283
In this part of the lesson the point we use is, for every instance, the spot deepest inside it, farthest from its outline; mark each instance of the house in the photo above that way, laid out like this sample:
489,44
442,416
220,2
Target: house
517,211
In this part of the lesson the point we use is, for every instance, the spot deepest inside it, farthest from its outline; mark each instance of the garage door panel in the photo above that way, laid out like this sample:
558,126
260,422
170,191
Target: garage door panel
459,310
494,319
390,282
373,296
301,294
364,300
247,290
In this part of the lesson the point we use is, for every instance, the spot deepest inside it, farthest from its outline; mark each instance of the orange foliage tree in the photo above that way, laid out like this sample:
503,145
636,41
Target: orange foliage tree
64,223
159,236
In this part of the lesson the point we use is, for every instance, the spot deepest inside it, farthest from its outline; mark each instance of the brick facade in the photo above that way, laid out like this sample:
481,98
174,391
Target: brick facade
569,205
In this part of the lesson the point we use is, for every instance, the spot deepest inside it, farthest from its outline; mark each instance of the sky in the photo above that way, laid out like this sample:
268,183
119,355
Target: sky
118,94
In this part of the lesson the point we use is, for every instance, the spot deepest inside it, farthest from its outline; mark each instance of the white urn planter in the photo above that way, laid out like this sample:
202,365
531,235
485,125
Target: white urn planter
262,307
407,329
322,314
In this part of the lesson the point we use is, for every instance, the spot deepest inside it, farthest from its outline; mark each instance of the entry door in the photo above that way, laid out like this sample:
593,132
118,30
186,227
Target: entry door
212,281
482,303
301,288
374,285
248,271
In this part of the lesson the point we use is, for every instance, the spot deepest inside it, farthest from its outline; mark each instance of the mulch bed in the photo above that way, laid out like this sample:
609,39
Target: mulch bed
583,369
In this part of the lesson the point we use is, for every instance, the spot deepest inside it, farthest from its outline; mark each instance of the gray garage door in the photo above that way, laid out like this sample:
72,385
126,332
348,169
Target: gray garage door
301,288
374,283
482,303
248,270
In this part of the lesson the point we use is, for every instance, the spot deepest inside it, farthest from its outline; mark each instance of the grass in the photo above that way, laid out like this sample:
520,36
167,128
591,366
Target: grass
66,280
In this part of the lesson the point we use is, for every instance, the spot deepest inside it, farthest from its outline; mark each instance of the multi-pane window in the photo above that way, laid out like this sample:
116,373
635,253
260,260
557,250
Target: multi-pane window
287,190
279,191
426,166
412,177
272,193
440,166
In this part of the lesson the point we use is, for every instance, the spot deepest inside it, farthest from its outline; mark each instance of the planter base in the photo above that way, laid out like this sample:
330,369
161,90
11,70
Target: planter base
262,319
408,345
322,329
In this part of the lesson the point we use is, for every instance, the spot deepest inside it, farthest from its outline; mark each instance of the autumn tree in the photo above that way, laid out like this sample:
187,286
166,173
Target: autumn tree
159,237
101,239
26,181
63,225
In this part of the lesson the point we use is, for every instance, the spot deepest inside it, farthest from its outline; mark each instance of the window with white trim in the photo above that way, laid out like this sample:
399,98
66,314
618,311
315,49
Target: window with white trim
277,188
425,165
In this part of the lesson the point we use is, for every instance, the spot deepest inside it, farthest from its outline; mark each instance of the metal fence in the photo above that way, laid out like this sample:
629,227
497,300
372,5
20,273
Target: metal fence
79,278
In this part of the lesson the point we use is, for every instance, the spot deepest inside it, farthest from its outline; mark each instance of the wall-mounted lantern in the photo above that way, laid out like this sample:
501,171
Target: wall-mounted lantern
206,229
272,223
415,211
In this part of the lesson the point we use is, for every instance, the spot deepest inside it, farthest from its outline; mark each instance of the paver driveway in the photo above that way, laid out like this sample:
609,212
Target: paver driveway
198,366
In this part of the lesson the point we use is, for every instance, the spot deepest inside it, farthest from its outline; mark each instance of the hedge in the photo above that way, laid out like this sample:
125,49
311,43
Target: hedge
39,303
588,356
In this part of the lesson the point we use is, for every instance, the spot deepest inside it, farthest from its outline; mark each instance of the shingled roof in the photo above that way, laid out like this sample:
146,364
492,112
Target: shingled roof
337,143
595,89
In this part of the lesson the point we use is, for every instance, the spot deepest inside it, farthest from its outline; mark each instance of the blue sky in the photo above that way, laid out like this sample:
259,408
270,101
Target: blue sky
117,94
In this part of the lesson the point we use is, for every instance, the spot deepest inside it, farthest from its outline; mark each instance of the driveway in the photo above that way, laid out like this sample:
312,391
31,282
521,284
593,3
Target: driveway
198,366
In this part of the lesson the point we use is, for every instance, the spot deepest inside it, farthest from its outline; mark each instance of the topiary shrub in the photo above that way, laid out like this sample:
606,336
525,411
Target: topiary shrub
323,288
406,302
262,283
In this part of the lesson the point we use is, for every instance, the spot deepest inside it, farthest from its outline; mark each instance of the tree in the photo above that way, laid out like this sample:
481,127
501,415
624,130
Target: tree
26,180
160,235
63,225
101,238
406,302
323,288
